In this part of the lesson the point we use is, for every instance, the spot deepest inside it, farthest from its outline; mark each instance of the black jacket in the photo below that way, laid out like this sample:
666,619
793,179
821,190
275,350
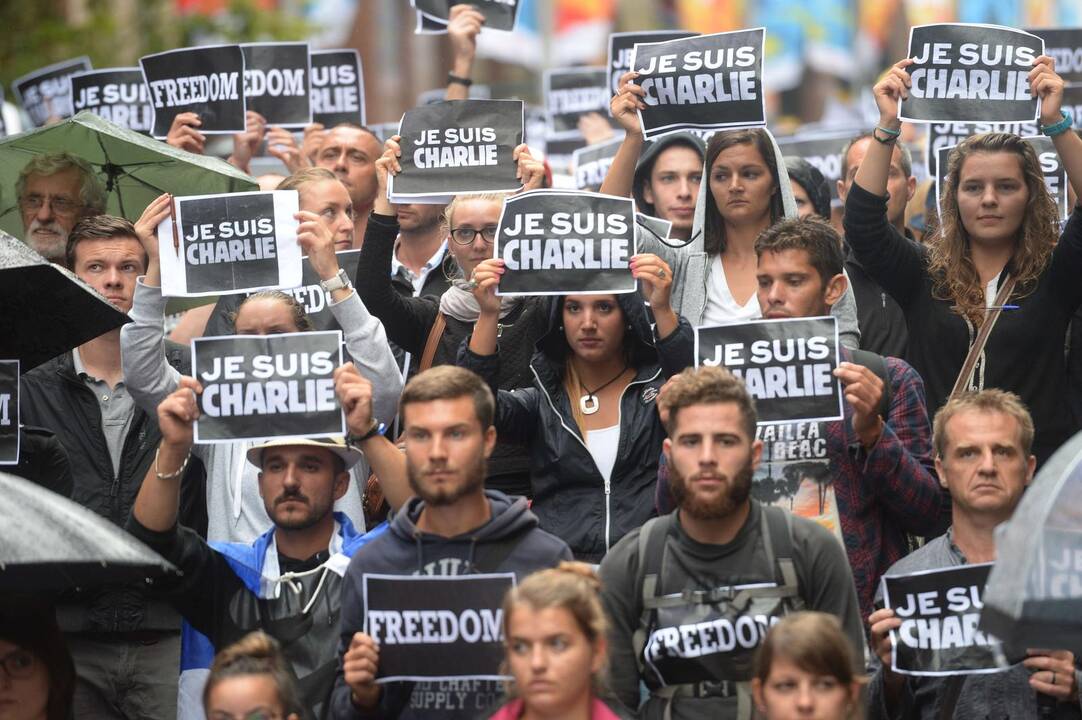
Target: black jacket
54,397
571,498
408,321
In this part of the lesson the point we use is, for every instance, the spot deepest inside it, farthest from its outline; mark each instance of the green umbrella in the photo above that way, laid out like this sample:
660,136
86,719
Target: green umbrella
134,168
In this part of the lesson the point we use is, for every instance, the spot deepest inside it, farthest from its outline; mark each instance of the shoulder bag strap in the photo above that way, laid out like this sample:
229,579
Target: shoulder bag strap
990,317
433,342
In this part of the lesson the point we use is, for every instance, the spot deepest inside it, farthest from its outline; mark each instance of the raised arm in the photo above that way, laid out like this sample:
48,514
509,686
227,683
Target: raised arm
465,23
625,106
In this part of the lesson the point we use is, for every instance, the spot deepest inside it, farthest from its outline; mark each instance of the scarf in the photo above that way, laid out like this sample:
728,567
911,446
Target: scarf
458,302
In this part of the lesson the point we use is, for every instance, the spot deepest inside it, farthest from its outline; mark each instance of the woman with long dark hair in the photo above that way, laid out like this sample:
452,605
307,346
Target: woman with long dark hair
994,257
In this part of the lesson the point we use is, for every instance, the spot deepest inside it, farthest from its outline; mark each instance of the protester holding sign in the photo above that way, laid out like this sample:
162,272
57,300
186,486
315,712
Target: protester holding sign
588,417
452,527
983,446
692,594
432,328
286,581
990,266
235,508
884,440
556,632
747,191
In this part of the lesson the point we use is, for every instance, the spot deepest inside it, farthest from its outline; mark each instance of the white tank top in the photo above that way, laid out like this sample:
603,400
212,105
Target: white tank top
602,445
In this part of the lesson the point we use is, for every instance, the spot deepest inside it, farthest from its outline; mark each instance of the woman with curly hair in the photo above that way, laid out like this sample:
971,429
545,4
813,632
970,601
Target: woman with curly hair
996,239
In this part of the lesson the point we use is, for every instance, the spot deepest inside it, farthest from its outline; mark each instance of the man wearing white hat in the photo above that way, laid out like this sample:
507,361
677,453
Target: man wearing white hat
286,583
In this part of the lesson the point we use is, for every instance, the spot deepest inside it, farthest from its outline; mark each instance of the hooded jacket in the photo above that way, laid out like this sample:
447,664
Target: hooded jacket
691,265
650,154
571,498
510,541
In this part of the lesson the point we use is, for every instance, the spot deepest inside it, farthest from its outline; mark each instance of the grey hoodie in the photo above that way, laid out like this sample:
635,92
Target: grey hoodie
691,265
235,511
510,541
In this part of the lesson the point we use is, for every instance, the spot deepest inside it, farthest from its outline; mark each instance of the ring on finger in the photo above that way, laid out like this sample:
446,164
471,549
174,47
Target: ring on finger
1053,677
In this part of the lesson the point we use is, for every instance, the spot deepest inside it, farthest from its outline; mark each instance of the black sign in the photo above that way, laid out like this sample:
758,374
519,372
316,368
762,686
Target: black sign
264,386
457,146
276,83
652,227
499,14
1064,45
787,365
824,151
438,627
428,26
1055,175
592,162
231,243
208,81
621,45
9,412
970,73
1072,103
558,242
46,93
940,610
570,93
949,134
337,87
560,152
117,94
707,81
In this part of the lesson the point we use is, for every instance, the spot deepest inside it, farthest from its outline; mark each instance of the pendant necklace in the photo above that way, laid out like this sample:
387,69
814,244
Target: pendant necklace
589,403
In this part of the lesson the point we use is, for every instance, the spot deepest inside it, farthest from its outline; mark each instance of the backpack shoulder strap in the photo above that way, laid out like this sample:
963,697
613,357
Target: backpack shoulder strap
433,342
878,365
651,563
777,529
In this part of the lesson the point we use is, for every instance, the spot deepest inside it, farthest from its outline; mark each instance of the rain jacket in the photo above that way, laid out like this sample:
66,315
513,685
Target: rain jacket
571,498
509,542
227,590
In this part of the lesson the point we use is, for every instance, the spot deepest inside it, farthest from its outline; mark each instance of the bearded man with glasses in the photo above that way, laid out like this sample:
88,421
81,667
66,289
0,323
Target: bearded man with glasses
55,191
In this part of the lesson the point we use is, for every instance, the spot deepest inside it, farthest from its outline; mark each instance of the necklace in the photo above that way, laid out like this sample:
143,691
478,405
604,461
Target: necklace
589,403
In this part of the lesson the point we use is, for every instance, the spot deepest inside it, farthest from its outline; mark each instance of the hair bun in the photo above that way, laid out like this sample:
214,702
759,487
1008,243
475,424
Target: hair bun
582,570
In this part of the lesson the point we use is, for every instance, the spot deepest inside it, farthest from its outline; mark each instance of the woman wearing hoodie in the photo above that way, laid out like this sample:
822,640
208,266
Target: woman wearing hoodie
746,189
589,418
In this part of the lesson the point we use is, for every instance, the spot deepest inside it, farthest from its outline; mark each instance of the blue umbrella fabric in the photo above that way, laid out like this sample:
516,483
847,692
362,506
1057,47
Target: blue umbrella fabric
48,542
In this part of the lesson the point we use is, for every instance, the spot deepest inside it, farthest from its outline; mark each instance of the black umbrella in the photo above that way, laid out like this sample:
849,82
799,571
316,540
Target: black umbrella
46,310
1033,598
48,542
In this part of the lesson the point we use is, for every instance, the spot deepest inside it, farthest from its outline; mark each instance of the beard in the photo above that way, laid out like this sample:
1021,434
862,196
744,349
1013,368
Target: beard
316,511
473,479
712,507
51,248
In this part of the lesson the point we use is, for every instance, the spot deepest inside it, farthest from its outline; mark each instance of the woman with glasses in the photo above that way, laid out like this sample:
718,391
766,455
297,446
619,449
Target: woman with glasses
433,328
37,676
249,680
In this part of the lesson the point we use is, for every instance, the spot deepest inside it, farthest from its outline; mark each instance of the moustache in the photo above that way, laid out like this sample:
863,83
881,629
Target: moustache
291,496
52,227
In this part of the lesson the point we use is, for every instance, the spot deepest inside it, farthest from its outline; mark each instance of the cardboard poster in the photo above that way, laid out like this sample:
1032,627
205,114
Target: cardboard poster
46,93
1064,45
337,87
499,14
9,412
208,81
621,45
277,82
117,94
591,164
823,150
570,93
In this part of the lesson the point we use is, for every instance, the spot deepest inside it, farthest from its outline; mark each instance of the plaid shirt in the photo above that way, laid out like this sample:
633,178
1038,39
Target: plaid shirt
881,494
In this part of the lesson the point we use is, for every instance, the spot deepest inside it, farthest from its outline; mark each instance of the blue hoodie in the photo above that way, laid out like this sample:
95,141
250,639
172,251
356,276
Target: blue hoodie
509,542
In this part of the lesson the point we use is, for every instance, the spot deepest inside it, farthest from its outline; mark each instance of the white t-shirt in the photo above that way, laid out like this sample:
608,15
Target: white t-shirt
721,307
603,444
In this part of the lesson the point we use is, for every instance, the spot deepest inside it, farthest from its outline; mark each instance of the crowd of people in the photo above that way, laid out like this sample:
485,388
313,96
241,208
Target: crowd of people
568,441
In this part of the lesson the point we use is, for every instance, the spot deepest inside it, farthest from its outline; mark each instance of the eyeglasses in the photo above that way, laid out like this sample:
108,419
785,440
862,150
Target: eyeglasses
466,236
19,664
59,205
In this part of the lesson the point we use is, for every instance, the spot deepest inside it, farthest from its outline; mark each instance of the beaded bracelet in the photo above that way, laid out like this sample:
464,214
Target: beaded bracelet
1057,128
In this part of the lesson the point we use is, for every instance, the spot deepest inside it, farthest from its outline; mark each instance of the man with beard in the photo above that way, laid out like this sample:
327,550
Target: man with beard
286,583
692,594
55,191
452,526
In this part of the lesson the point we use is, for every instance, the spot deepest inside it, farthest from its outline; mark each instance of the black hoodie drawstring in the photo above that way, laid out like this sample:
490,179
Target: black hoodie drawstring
469,556
420,552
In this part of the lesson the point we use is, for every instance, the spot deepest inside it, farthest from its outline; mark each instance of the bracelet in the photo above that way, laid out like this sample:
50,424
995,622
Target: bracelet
176,473
1057,128
376,428
453,79
892,135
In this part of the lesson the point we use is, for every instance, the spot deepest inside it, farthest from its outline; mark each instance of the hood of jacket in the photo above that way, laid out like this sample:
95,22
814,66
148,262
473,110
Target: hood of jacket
649,156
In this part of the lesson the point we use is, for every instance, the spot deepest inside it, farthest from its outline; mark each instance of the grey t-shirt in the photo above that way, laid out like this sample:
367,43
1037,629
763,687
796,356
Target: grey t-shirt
824,578
117,409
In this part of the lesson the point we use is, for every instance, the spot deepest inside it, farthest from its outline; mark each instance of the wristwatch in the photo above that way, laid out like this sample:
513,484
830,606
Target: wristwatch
338,282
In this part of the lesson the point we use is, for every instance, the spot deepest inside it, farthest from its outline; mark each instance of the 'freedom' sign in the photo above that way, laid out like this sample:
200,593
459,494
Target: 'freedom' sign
46,92
117,94
591,163
457,146
1064,45
571,93
823,150
559,242
208,81
788,365
276,82
970,73
705,82
337,87
437,627
940,610
230,243
9,412
263,386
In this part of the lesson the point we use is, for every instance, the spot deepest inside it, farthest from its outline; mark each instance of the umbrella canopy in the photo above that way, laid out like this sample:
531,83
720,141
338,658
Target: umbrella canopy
1034,593
48,542
134,168
46,309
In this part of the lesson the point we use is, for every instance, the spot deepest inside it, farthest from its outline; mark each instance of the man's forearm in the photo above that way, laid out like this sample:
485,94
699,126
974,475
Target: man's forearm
159,497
